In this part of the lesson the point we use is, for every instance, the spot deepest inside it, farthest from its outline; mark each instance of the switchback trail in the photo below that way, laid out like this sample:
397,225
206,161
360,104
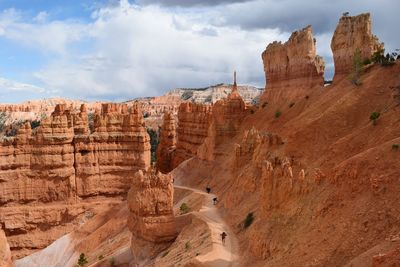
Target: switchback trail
220,255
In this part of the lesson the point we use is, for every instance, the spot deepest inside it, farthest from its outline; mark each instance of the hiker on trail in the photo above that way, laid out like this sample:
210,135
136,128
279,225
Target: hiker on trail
215,200
223,235
208,189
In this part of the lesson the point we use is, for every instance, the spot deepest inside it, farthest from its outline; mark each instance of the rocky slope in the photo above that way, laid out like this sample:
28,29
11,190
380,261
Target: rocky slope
308,179
320,178
59,173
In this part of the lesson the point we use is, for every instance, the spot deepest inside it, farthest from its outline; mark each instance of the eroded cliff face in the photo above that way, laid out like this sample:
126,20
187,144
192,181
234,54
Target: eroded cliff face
5,254
151,219
47,174
352,33
227,115
292,66
167,145
320,180
107,159
193,123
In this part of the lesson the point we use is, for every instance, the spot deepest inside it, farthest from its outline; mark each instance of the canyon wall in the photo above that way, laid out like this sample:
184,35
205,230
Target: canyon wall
167,145
202,128
293,65
47,173
352,33
193,123
151,218
227,116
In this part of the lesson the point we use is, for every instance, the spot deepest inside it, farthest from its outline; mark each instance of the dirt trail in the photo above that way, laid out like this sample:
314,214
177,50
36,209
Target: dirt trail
220,255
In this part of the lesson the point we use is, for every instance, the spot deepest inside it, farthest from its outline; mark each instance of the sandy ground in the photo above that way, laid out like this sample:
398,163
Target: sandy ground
97,236
220,255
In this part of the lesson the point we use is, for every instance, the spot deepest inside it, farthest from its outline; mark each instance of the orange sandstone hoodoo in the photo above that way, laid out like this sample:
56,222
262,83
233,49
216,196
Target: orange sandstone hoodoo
151,219
167,144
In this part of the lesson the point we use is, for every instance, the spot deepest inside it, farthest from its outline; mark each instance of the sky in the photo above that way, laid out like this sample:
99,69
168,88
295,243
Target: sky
115,50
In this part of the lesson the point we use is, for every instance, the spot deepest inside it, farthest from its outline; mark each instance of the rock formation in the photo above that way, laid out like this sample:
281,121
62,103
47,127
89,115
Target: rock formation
5,254
167,144
107,159
214,93
227,116
352,33
201,128
193,123
151,219
61,161
293,65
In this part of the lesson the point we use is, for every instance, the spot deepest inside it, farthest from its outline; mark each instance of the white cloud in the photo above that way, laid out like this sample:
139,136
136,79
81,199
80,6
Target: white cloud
9,86
41,17
139,51
46,37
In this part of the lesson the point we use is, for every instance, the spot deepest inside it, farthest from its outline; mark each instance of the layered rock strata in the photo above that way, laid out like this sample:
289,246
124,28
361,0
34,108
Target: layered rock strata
62,162
151,219
193,123
227,116
167,144
293,64
352,33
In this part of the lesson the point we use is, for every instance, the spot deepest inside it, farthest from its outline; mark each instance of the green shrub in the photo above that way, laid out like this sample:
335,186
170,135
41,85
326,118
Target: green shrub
395,147
249,220
357,68
101,257
278,114
35,124
82,261
380,58
184,208
153,143
374,117
366,61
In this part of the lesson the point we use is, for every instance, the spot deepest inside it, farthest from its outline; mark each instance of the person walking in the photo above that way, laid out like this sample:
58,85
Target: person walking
208,190
223,236
215,200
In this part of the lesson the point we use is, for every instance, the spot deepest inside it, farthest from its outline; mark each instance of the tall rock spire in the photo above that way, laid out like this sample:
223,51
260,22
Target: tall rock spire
234,88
